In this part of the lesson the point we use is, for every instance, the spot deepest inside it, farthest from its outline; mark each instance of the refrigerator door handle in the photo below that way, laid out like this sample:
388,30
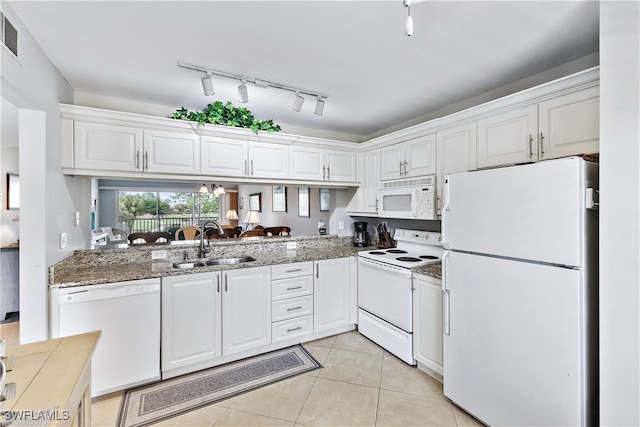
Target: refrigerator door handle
445,209
446,323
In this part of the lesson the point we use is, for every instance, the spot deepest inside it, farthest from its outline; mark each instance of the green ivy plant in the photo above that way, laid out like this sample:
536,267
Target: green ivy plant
226,115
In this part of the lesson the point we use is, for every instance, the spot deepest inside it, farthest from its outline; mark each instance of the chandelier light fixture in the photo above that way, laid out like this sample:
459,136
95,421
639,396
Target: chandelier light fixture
216,190
243,93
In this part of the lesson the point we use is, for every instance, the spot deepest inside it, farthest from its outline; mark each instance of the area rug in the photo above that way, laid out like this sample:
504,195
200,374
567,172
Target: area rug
159,401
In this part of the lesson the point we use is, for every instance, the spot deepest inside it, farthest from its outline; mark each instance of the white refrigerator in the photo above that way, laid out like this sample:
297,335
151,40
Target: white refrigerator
520,290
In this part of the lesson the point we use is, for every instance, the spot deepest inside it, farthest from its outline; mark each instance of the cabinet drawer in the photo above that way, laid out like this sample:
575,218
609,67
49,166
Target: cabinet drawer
291,329
295,269
290,288
294,307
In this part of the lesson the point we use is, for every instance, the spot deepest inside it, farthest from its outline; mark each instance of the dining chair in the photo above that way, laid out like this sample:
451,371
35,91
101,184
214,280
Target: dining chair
253,233
277,231
148,237
190,232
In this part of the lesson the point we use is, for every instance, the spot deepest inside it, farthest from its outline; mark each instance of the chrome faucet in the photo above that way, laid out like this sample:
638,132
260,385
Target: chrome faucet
201,250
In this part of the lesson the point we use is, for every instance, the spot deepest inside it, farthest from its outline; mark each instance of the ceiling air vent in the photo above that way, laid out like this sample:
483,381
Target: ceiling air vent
9,34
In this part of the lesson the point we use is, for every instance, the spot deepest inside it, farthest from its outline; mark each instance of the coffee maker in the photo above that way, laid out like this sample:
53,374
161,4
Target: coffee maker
361,235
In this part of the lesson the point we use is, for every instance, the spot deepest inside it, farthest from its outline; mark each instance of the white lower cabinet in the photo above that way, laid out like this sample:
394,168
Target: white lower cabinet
246,309
191,319
427,324
292,301
331,294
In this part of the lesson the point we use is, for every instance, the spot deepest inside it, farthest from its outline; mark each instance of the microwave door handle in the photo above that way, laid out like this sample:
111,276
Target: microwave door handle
414,202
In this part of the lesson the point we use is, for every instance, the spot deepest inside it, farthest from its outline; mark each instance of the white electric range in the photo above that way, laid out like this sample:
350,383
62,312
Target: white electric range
385,289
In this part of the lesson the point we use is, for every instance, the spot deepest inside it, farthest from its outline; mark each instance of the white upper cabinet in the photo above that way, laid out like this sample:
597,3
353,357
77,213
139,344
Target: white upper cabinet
508,138
320,164
416,157
171,152
456,153
562,126
121,148
364,200
107,147
237,158
570,124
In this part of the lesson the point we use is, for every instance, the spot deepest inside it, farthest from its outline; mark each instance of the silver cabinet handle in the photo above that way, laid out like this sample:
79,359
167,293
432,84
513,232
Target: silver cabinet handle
146,160
226,283
401,163
218,277
324,172
137,159
317,271
328,172
376,204
294,329
541,145
251,167
246,169
405,168
295,308
294,270
530,146
294,288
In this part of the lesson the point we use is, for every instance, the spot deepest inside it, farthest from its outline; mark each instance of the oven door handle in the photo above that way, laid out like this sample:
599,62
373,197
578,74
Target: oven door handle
391,269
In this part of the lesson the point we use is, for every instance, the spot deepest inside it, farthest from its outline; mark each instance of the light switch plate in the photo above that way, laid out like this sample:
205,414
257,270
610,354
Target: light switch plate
76,220
63,240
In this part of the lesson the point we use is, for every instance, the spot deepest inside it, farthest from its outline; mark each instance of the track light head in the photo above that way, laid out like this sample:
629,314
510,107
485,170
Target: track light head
207,85
297,102
319,106
243,95
409,23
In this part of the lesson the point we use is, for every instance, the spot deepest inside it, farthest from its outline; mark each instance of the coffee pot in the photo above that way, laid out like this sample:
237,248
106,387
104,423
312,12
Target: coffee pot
361,235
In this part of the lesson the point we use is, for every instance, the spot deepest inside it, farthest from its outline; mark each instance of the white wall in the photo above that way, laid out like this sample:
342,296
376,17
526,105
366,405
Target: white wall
619,213
300,226
36,87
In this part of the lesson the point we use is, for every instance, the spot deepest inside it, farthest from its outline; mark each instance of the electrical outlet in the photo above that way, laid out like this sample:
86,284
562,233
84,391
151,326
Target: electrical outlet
76,220
341,225
63,240
158,254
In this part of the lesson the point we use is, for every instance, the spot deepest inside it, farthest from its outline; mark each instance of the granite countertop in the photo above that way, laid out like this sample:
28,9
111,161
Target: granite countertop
119,264
432,270
82,269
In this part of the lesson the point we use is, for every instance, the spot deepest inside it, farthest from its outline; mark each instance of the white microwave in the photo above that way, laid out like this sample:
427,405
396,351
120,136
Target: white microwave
413,198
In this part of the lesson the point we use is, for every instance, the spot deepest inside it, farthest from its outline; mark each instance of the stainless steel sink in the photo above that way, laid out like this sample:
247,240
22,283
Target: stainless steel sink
203,262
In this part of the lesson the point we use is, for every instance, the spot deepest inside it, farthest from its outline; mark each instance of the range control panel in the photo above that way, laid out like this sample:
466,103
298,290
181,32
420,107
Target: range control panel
417,236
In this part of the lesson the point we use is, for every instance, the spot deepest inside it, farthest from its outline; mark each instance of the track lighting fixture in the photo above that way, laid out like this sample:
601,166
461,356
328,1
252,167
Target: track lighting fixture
319,106
243,95
207,85
297,102
409,23
216,190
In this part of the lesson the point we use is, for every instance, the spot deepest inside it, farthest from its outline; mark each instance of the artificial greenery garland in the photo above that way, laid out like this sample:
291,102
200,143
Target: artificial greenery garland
226,115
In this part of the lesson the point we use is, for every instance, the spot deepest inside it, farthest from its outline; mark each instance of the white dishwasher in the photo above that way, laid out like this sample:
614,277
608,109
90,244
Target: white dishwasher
128,314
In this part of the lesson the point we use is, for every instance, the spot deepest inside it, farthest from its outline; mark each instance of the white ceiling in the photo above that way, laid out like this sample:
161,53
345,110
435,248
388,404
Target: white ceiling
355,51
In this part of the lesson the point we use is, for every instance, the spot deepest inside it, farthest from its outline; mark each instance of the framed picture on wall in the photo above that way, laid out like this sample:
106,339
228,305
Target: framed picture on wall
255,202
279,199
303,202
324,199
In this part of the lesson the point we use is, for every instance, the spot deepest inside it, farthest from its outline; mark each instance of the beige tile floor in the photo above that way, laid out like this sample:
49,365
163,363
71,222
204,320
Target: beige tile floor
360,385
